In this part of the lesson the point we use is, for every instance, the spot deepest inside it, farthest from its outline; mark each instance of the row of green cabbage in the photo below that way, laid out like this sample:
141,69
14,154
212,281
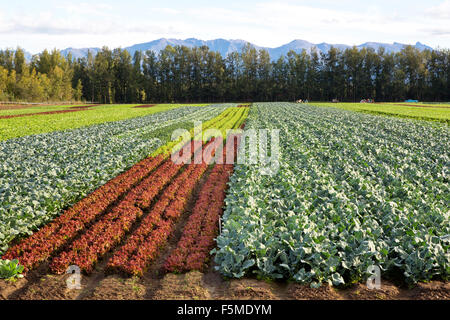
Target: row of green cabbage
353,191
42,174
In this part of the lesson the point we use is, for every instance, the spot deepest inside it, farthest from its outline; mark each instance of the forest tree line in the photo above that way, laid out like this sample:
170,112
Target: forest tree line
182,74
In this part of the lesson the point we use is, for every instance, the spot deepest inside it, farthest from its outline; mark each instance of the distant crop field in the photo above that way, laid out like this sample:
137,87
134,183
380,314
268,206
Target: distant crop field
6,110
425,104
37,123
438,112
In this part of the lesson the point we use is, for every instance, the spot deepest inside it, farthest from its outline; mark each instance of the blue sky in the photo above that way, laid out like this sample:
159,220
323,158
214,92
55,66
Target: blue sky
35,25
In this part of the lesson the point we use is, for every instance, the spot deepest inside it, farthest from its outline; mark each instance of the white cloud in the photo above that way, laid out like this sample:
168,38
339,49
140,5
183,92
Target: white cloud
274,23
437,31
46,23
169,11
441,11
270,23
86,8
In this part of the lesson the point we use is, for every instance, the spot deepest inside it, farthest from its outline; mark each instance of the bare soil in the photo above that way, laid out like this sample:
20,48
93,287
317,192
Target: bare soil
210,285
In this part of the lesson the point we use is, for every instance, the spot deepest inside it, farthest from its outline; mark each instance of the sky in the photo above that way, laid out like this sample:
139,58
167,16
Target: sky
36,25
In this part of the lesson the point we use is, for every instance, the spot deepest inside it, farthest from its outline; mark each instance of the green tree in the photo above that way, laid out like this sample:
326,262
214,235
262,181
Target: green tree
19,61
78,92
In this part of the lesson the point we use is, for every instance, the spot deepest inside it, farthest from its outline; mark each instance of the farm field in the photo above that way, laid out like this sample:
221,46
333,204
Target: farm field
438,112
7,109
352,190
44,123
42,174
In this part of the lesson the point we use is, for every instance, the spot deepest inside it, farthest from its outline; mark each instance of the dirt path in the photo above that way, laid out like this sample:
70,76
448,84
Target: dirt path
155,285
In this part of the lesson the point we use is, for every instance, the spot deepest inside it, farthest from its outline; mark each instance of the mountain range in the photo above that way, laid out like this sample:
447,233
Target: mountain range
227,46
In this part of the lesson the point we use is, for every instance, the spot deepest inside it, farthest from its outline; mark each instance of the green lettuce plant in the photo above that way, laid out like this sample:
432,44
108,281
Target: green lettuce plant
10,269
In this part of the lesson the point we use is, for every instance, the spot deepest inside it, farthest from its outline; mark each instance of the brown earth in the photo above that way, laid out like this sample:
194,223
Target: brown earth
210,285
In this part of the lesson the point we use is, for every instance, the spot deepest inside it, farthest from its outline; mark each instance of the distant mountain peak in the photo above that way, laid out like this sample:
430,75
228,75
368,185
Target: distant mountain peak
225,46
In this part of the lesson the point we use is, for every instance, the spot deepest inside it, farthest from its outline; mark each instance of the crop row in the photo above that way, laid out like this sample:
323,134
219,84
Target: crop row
112,227
52,237
221,122
143,245
234,119
85,107
192,251
352,191
138,184
140,188
98,223
42,175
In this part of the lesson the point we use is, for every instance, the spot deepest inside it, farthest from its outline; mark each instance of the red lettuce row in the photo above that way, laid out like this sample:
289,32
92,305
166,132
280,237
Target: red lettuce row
112,227
110,230
52,237
192,251
85,107
143,245
62,230
197,240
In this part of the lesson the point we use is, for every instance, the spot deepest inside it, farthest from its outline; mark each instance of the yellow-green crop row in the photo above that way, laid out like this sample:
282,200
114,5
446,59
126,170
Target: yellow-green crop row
234,120
231,118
